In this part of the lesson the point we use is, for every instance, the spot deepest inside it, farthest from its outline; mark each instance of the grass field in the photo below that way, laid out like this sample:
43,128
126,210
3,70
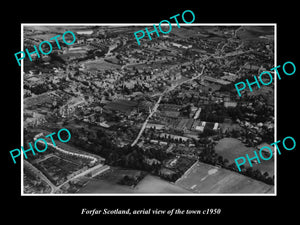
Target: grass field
57,29
231,149
150,184
108,182
100,64
254,32
204,178
100,186
114,175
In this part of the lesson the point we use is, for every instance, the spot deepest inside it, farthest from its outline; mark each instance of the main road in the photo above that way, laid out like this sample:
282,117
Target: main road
154,109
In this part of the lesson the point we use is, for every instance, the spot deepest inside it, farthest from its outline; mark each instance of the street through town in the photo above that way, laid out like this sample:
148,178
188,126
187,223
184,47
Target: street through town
154,109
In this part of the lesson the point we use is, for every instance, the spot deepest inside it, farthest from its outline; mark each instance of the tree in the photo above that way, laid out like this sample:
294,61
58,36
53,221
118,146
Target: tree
220,160
266,174
257,174
225,162
232,166
249,172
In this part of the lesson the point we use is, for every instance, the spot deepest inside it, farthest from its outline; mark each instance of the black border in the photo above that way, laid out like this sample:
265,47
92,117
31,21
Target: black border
233,207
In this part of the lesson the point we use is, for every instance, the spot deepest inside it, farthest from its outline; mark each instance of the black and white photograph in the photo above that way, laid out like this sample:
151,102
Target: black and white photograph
159,117
129,112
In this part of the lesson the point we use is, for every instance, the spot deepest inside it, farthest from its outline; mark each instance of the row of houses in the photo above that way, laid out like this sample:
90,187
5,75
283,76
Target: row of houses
187,125
94,159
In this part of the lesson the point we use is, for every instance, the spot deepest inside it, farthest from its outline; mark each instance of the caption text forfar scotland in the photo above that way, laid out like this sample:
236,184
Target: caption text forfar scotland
170,212
159,26
49,47
41,143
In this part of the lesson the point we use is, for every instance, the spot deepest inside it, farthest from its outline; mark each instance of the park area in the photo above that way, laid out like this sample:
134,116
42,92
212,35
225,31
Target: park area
231,148
100,65
204,178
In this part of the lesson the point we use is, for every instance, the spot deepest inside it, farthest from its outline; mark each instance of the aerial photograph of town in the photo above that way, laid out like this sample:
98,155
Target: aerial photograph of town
162,117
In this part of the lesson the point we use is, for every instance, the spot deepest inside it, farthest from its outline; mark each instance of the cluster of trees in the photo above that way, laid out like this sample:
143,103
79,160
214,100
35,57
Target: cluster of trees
132,180
171,176
174,98
207,133
208,155
137,158
213,113
54,57
100,143
186,110
257,114
268,135
255,174
213,117
230,87
96,142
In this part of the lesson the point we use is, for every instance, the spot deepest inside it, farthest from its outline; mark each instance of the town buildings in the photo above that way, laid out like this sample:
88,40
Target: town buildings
105,86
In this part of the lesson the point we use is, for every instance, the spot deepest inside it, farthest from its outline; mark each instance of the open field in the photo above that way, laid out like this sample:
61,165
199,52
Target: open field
115,174
150,184
231,149
202,31
251,32
57,29
204,178
100,64
101,186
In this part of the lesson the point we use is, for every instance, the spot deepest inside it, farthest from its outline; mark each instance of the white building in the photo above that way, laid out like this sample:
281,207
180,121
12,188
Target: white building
197,114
